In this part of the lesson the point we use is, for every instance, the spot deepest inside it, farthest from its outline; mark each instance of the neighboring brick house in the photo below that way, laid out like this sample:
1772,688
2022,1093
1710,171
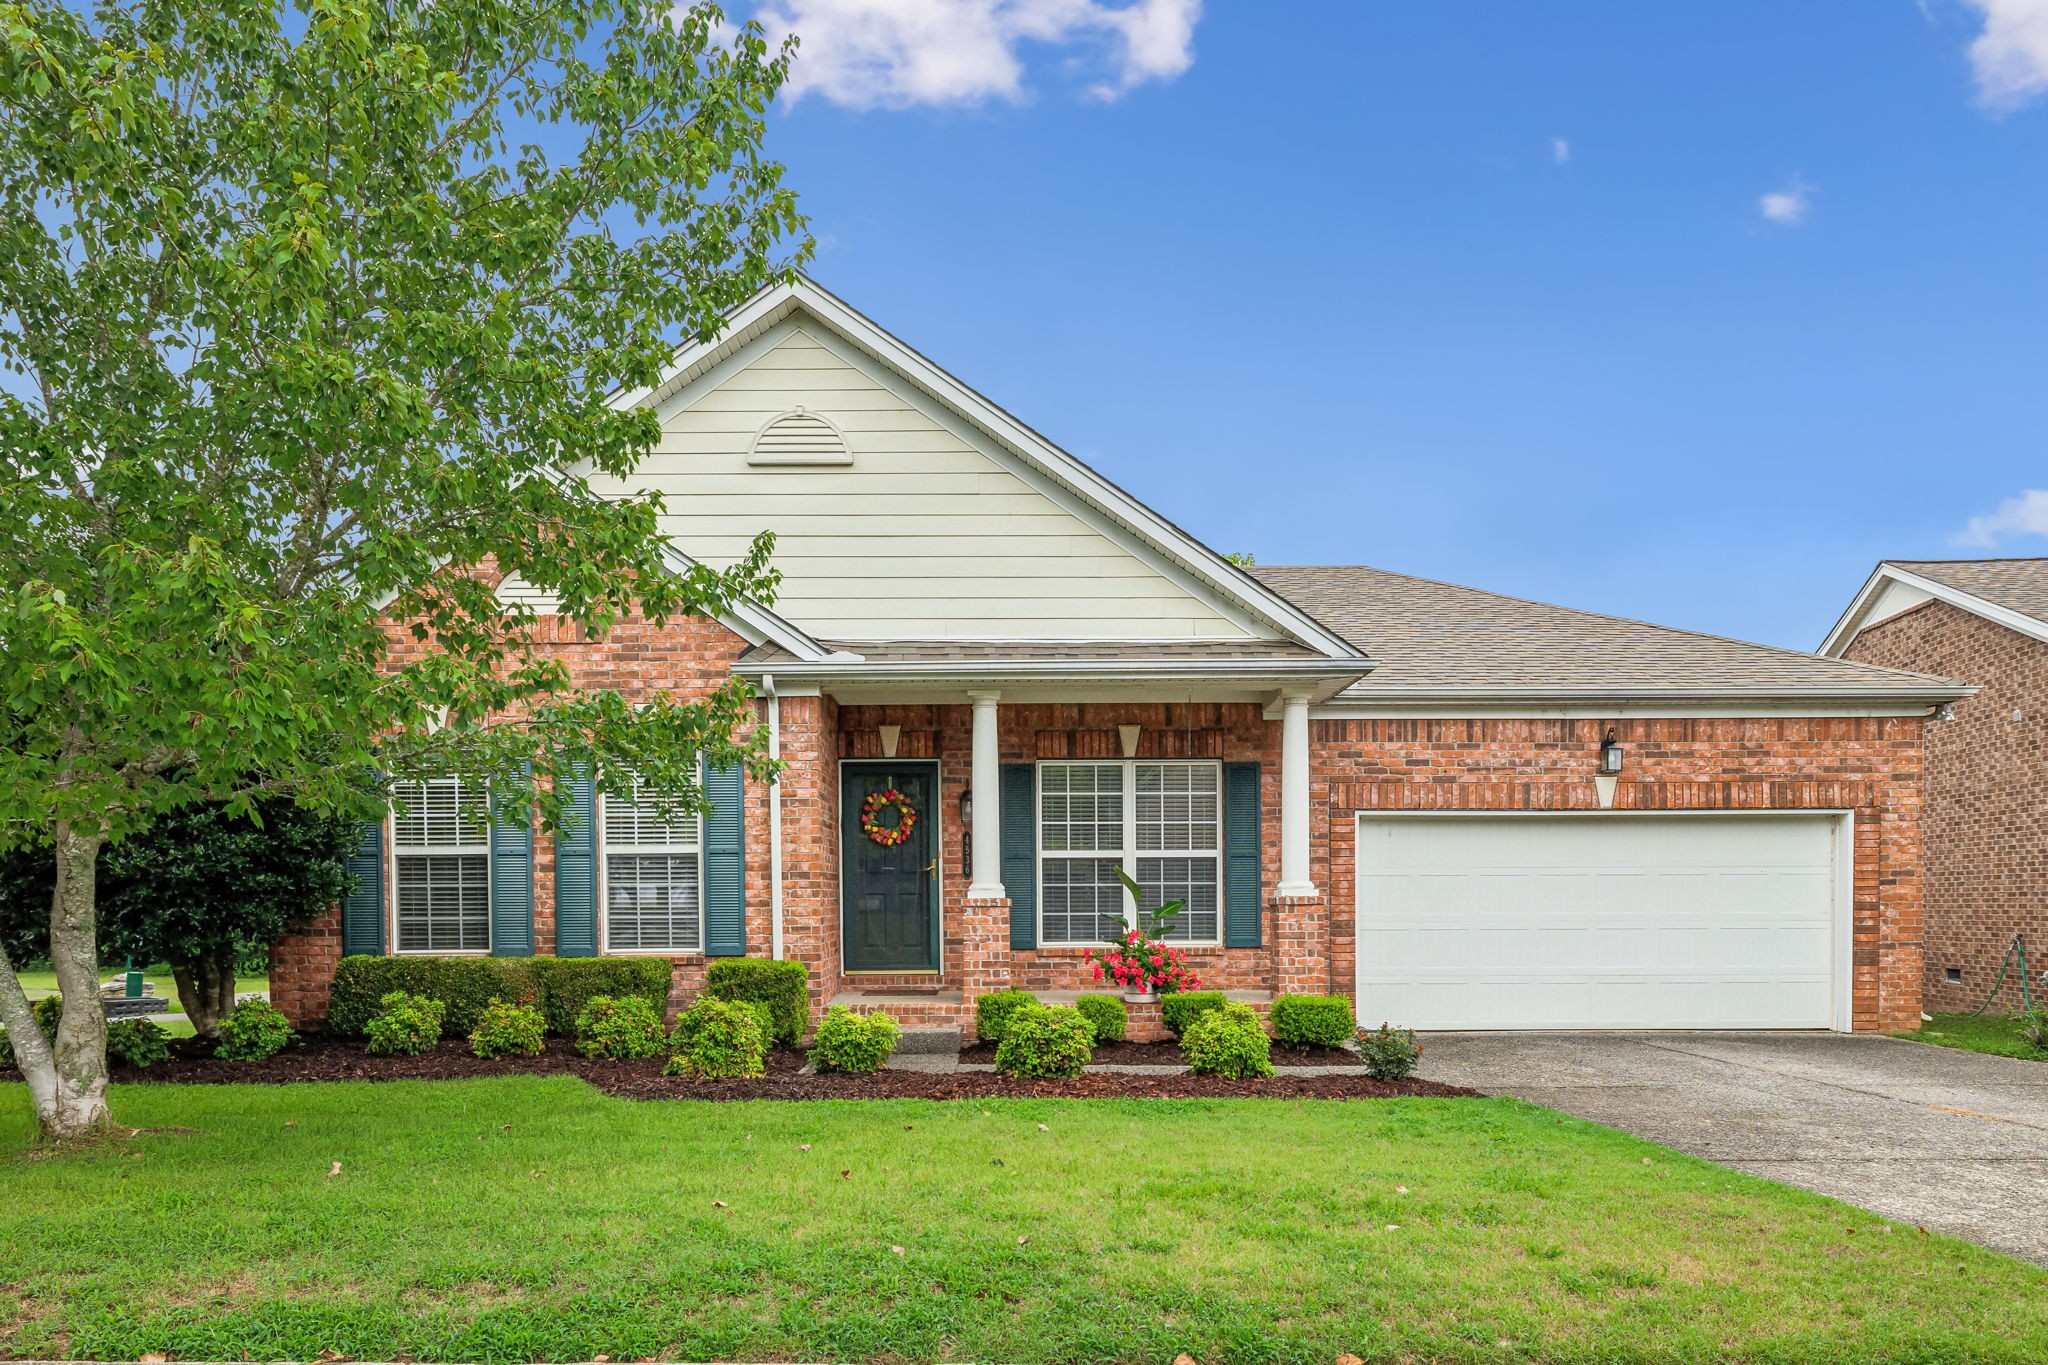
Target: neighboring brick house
1983,622
1462,809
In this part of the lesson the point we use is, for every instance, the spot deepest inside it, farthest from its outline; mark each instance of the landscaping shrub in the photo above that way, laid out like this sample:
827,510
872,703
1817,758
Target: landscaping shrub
2034,1029
137,1043
1389,1054
567,984
464,985
1045,1042
1228,1042
622,1026
509,1030
715,1038
1313,1020
253,1030
783,986
46,1012
1106,1015
854,1043
1179,1011
405,1025
994,1011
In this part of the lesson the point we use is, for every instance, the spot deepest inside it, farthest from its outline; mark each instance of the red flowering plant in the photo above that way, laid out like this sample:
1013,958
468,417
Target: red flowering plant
1141,961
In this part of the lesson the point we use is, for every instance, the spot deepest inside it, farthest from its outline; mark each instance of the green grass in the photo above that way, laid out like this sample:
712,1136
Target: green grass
536,1219
1994,1033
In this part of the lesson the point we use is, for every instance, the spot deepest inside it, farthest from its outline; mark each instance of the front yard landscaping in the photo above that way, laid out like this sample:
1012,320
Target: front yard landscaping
534,1218
1998,1034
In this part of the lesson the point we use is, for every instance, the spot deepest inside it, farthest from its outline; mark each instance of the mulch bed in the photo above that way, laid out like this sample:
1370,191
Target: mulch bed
1169,1054
322,1058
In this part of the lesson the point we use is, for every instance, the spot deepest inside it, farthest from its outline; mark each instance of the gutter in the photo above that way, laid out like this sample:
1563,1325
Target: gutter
774,819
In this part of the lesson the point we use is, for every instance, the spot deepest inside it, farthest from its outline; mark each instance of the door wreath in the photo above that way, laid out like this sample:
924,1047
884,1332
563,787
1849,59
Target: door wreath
888,836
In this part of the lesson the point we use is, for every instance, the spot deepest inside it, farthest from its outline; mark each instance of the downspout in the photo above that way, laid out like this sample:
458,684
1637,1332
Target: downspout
774,820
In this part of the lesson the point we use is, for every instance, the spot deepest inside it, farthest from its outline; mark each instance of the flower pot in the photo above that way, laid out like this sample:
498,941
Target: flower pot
1141,997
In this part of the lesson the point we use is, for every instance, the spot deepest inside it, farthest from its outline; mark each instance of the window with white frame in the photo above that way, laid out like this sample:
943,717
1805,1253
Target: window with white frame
1161,822
653,875
441,845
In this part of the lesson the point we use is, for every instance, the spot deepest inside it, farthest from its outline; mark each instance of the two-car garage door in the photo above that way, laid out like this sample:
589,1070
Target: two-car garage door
1598,921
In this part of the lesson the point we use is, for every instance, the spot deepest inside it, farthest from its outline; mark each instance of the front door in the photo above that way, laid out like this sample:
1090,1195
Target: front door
889,875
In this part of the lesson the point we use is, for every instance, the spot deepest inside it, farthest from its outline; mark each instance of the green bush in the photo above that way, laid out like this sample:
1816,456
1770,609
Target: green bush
782,985
1106,1015
994,1011
1389,1054
509,1030
253,1030
405,1025
717,1038
1228,1042
2034,1029
618,1027
1313,1020
1180,1010
853,1043
137,1043
47,1011
1047,1042
464,985
567,984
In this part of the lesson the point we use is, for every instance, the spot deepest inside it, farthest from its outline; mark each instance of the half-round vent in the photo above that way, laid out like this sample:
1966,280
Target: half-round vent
799,437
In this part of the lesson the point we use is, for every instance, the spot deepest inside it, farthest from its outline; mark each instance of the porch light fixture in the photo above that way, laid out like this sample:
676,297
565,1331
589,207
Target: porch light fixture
1610,755
967,826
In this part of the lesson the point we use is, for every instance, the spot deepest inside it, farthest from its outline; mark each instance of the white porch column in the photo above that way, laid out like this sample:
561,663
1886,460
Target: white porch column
986,780
1294,874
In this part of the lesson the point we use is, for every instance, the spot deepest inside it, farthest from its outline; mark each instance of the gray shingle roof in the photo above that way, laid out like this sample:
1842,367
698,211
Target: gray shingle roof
1431,636
2020,585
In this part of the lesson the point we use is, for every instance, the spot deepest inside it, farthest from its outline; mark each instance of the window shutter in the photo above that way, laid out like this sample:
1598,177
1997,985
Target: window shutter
1020,852
1242,911
362,910
576,871
725,863
511,880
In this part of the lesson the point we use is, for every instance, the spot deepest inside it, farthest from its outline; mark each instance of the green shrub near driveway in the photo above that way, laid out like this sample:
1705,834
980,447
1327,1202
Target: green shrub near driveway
509,1030
1045,1042
1106,1015
621,1027
463,985
1178,1011
718,1038
253,1030
405,1025
1389,1054
994,1011
1228,1042
783,985
854,1043
570,983
1313,1020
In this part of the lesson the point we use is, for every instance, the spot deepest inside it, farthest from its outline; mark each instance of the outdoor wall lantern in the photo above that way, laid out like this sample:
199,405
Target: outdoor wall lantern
1610,755
967,826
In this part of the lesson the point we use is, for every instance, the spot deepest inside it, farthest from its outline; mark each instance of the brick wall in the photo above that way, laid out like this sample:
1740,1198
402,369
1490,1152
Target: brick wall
1987,797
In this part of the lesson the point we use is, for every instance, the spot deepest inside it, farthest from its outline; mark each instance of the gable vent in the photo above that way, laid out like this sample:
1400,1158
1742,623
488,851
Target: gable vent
799,437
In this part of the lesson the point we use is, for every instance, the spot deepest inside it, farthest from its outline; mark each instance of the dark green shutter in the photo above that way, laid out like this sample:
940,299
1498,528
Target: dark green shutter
511,879
725,863
576,871
1242,911
1020,852
362,910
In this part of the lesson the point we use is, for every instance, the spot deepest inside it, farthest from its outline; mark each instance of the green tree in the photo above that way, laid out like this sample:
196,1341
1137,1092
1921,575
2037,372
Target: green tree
199,889
315,314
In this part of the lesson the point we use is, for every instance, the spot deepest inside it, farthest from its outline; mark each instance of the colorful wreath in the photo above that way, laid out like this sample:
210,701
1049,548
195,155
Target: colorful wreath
877,802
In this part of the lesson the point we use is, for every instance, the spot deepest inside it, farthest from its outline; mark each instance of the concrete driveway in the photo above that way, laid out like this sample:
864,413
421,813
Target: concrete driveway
1953,1141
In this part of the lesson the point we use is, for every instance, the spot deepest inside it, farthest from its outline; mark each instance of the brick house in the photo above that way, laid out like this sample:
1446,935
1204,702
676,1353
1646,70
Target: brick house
1462,809
1984,622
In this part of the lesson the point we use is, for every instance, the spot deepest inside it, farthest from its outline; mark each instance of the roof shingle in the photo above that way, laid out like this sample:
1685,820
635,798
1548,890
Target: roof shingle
2019,585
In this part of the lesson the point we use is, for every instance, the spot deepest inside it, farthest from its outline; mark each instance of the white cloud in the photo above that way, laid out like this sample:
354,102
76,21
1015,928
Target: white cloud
899,53
2010,57
2025,515
1787,207
1560,151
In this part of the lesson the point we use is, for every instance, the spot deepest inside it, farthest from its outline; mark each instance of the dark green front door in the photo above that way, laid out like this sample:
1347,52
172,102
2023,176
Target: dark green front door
889,894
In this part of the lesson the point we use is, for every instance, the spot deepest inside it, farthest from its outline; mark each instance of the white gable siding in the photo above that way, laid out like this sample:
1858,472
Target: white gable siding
1895,598
922,536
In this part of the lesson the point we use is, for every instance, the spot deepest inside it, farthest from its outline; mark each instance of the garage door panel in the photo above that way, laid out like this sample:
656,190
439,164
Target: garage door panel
1596,922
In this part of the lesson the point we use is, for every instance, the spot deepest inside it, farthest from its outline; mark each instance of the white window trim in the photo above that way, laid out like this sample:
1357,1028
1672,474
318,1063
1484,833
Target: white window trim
604,888
392,854
1131,852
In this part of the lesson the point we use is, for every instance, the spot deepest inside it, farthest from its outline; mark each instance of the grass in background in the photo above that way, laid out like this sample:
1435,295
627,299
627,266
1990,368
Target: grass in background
1994,1033
534,1219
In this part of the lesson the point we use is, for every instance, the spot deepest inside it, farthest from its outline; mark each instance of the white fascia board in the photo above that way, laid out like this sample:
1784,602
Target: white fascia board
851,668
1851,623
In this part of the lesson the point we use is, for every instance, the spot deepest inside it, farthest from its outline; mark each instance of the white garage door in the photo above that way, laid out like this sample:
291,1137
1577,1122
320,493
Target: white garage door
1597,921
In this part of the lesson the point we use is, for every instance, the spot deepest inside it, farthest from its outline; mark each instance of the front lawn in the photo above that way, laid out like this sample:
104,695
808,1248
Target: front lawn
532,1218
1994,1033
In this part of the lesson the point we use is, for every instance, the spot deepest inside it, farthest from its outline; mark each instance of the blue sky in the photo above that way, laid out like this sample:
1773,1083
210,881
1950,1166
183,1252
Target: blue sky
1682,312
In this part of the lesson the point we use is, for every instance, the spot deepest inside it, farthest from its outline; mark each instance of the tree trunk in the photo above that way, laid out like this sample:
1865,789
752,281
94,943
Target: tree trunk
73,1104
206,988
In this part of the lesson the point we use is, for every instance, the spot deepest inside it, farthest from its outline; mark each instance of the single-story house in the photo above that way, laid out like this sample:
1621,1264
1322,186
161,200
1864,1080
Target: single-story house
1465,810
1985,622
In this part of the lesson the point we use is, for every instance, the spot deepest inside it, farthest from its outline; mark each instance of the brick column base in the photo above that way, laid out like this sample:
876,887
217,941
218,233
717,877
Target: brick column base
302,970
1301,945
979,949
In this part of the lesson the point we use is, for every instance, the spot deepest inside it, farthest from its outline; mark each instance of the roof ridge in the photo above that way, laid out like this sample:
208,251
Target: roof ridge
1992,559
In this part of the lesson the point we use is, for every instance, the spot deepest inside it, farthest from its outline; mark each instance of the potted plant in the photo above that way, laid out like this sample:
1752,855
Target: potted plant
1141,962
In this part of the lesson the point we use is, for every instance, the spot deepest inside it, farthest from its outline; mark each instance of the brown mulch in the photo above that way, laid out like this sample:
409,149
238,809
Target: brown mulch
1169,1054
323,1058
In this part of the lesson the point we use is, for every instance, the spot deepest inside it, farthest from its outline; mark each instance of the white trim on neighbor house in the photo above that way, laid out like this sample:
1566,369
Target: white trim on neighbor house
1858,616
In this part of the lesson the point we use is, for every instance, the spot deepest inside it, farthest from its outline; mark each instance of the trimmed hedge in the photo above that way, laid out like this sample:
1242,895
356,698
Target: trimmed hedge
509,1030
994,1011
1180,1009
557,986
1045,1042
1106,1015
854,1043
1313,1020
405,1025
784,986
1228,1042
624,1026
570,983
717,1038
253,1030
